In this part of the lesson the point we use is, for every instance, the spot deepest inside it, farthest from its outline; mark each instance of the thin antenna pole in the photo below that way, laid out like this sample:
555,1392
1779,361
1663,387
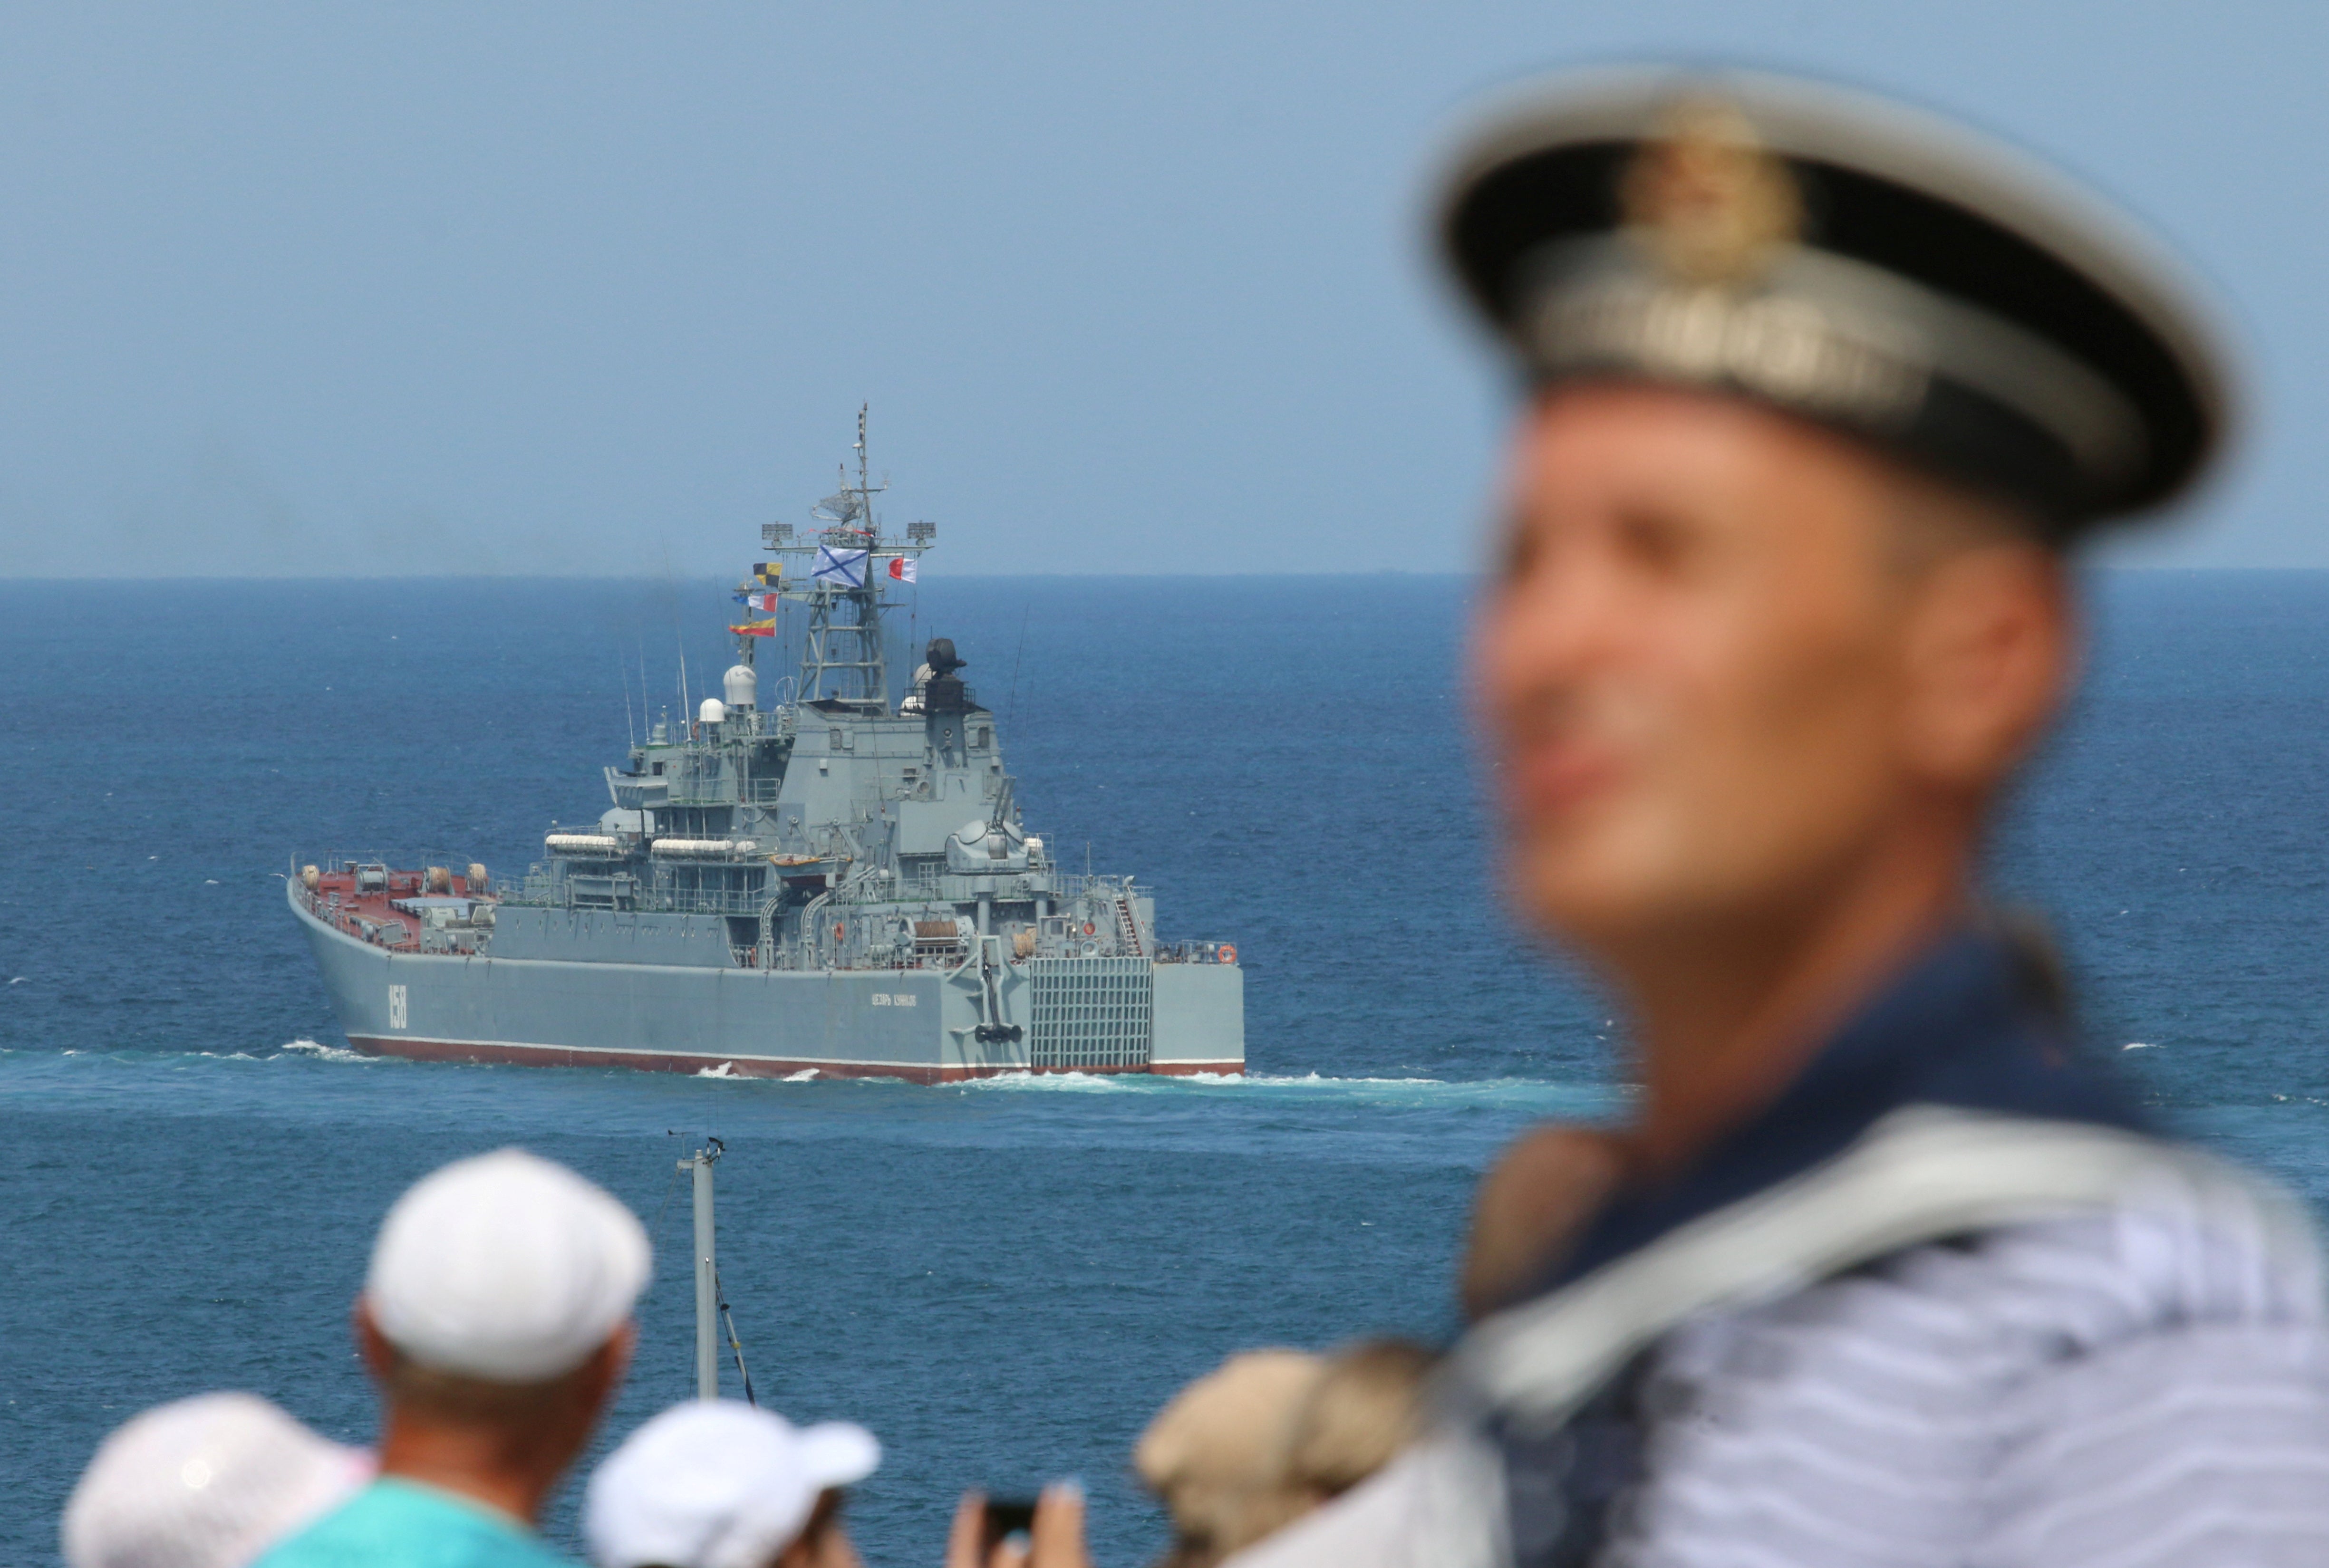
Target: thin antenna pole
1011,703
630,732
864,485
687,704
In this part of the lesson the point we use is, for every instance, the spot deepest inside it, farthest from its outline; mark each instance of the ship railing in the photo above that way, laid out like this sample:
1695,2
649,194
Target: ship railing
1190,952
1077,884
540,886
957,887
702,901
542,889
729,791
763,723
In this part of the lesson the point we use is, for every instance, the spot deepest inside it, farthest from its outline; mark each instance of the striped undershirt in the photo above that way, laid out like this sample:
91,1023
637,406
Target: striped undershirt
2132,1388
2127,1390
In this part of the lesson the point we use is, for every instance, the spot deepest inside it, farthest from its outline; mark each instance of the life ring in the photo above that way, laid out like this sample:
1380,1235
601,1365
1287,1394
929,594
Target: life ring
1089,929
1229,953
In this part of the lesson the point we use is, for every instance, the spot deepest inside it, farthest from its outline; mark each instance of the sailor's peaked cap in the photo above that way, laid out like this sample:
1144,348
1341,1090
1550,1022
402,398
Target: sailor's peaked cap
1846,260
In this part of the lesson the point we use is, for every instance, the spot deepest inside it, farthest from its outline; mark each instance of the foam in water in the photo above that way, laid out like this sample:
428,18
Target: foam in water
321,1052
725,1070
1061,1083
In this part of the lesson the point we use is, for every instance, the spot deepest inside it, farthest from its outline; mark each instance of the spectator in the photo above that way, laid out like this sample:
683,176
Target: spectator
495,1318
1218,1455
1365,1406
716,1484
207,1482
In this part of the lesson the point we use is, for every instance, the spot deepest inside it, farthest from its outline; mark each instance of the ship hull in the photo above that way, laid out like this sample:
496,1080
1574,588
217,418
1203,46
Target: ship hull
917,1024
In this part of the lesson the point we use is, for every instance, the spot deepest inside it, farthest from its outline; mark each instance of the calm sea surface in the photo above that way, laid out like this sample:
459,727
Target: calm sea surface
1004,1281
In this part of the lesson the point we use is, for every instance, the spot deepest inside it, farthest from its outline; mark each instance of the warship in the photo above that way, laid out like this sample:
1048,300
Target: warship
828,882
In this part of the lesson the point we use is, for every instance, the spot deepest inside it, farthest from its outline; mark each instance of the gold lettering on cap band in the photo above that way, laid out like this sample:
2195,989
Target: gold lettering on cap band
1823,333
1781,346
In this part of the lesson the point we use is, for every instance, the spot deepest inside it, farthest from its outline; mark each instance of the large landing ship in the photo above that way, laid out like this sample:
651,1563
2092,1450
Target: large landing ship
836,882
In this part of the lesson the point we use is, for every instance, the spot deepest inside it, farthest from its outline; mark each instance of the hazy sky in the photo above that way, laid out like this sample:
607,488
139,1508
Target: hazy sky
598,288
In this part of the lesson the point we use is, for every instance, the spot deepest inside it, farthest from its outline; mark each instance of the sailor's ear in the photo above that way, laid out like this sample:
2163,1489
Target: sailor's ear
1992,653
1531,1206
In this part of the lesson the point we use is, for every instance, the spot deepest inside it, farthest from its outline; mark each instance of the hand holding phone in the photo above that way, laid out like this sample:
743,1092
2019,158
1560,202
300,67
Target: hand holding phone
1006,1518
1053,1525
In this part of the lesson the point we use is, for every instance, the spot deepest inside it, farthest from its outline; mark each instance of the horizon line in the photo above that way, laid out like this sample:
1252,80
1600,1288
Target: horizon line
63,579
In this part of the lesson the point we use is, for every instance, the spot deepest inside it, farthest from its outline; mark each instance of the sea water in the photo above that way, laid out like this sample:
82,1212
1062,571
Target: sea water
1004,1280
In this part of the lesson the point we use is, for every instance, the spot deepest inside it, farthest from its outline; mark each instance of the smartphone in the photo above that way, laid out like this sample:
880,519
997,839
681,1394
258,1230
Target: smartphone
1005,1517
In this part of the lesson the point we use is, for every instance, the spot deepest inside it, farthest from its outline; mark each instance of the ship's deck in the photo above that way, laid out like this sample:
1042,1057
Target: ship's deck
379,907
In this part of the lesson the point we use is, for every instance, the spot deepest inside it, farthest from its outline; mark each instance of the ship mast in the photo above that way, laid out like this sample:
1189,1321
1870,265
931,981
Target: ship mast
843,657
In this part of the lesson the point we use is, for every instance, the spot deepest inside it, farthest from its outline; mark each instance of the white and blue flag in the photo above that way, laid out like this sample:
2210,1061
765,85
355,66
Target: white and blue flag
845,567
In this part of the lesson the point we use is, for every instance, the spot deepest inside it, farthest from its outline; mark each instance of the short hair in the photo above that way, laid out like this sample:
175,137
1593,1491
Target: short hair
463,1397
1933,519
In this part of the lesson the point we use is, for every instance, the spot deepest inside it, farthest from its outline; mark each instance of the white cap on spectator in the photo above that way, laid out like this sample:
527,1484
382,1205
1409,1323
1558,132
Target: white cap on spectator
507,1268
208,1482
716,1484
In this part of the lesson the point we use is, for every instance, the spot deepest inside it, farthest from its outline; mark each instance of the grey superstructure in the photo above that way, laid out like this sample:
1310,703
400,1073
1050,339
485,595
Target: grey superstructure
832,882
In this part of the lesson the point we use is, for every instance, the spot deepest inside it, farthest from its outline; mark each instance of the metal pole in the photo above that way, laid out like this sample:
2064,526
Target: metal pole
707,1292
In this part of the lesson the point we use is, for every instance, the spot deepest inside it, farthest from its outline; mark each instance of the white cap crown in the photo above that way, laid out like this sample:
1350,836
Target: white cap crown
207,1482
716,1484
505,1267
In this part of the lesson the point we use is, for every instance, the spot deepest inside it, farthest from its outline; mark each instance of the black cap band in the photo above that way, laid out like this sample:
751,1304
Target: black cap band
1839,260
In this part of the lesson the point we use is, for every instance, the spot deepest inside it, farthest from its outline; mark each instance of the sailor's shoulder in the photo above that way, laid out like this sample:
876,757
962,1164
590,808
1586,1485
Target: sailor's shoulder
1944,1220
1989,1310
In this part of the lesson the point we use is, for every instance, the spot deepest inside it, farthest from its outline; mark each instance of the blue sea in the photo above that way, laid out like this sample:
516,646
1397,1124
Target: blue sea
1005,1280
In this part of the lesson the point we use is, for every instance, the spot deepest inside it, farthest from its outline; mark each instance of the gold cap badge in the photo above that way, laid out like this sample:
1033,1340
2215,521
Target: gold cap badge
1706,199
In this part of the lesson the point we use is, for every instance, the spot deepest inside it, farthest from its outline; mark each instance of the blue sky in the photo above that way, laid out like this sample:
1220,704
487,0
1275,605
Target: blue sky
597,288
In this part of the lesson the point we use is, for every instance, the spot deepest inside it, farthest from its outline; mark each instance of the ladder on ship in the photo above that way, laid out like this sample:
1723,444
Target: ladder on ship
1126,926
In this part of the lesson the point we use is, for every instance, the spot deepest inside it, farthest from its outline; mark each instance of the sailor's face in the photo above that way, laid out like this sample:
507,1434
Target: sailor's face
1689,665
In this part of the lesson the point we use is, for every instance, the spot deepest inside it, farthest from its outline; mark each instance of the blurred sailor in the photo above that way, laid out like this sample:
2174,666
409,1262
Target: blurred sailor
1881,1270
496,1319
207,1482
718,1484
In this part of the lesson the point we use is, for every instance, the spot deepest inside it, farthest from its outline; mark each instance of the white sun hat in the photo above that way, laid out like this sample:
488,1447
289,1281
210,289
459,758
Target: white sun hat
208,1482
505,1267
716,1483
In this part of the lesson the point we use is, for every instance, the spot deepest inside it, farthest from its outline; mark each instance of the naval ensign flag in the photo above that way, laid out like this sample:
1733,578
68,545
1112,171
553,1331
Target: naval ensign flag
846,566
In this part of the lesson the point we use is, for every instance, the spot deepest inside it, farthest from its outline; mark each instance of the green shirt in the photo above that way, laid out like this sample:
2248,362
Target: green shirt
397,1524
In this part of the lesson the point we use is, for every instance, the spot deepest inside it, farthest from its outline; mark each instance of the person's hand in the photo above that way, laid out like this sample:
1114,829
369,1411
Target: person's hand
1058,1536
1530,1206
